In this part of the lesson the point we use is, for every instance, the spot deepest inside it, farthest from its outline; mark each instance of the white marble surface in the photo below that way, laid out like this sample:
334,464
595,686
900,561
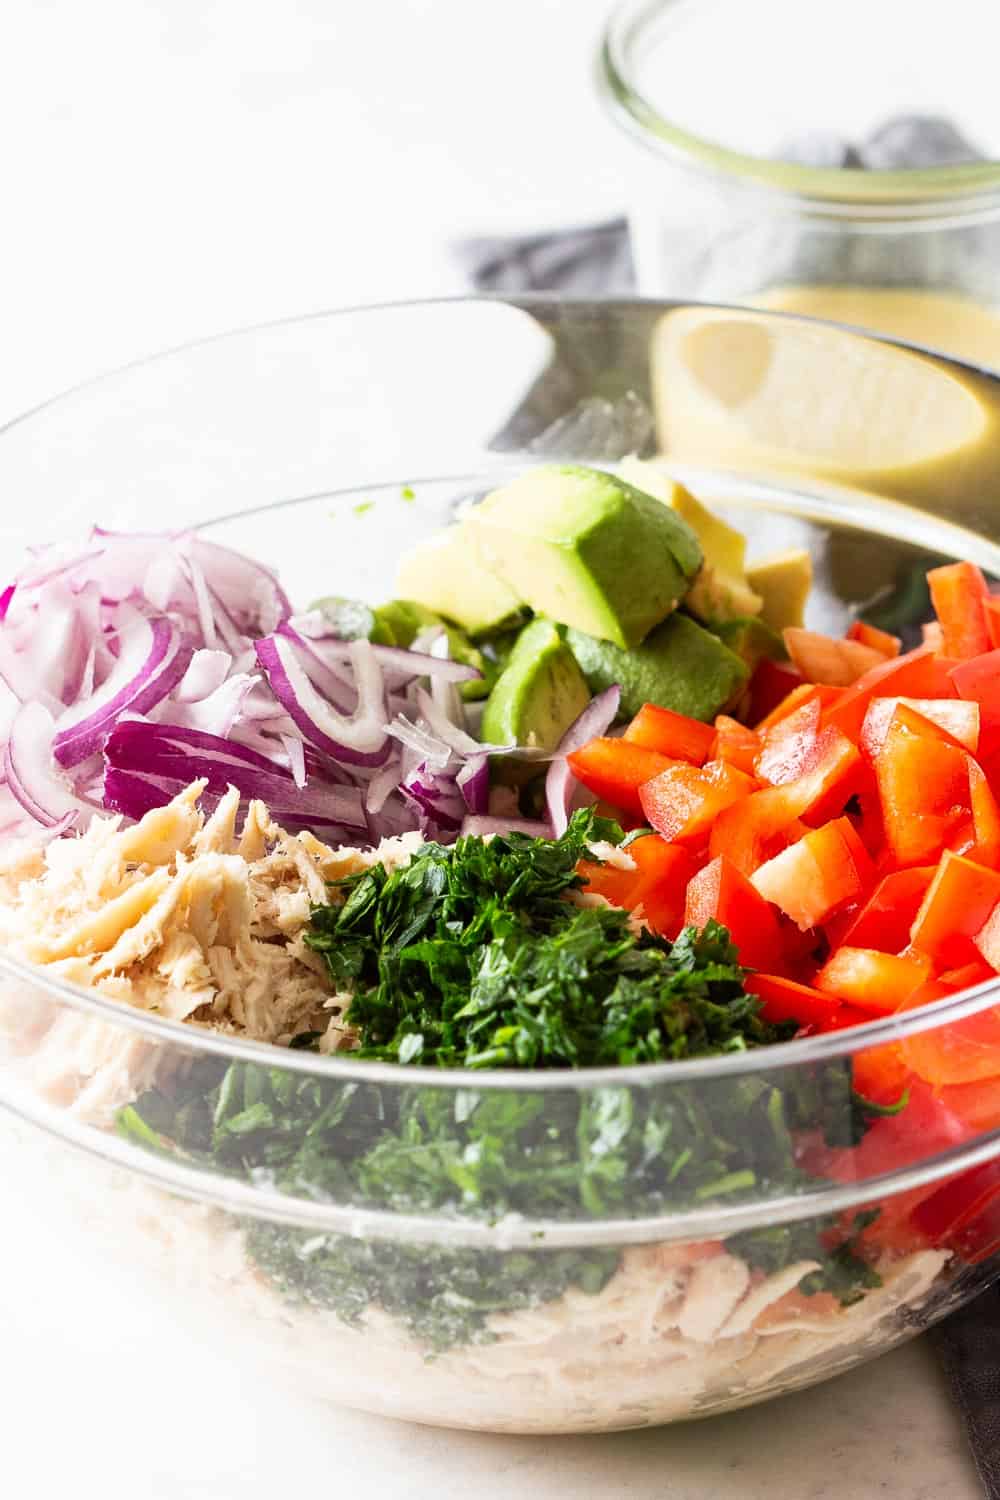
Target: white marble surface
173,168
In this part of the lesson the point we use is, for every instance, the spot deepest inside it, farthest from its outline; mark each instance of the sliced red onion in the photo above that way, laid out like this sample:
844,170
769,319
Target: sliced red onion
174,757
30,772
408,664
473,781
559,781
427,746
215,714
202,601
144,647
360,739
240,581
336,688
207,670
5,600
297,760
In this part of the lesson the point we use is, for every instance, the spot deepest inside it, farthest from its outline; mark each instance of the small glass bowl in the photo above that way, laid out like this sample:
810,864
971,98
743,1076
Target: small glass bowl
328,446
753,118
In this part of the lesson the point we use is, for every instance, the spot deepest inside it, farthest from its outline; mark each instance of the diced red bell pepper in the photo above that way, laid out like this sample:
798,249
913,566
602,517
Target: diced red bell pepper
755,829
614,770
976,1103
824,659
658,883
788,744
813,878
957,719
770,685
959,595
804,693
879,1073
673,735
823,766
785,1000
683,801
917,674
885,920
923,788
967,976
880,640
978,681
992,607
720,891
963,1212
735,744
985,817
964,1051
873,981
958,902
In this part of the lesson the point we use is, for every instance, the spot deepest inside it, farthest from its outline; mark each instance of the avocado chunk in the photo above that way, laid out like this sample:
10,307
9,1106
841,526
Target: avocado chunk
446,574
588,550
400,621
783,583
720,591
679,665
751,639
536,697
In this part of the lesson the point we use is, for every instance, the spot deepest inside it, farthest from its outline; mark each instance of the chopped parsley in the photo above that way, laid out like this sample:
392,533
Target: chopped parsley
472,957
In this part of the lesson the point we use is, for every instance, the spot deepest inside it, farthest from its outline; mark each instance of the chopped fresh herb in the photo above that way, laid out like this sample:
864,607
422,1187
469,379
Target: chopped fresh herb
407,493
363,506
472,957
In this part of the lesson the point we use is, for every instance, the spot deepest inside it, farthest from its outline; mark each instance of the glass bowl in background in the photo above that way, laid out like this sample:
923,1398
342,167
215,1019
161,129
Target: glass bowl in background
457,1279
840,161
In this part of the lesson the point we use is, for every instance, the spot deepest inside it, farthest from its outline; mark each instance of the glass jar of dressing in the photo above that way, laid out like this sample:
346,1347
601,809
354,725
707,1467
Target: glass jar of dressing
835,159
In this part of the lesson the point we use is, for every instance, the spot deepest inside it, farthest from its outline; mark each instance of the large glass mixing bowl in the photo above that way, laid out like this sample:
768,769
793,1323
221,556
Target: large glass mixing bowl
327,447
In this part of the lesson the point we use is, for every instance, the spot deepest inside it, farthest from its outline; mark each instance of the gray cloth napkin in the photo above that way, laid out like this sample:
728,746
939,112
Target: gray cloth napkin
595,260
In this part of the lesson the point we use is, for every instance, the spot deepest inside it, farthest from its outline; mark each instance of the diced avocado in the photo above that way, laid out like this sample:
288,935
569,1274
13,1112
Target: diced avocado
783,583
446,574
724,547
679,665
400,621
720,591
588,550
536,697
751,639
716,595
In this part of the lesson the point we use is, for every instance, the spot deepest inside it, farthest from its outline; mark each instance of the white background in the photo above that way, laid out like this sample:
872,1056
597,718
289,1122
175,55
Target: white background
174,168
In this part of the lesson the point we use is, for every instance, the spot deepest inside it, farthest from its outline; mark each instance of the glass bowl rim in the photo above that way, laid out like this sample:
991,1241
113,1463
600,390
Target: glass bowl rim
966,189
804,1051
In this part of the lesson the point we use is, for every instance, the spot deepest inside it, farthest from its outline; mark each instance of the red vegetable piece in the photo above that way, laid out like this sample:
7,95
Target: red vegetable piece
683,801
872,981
958,720
804,693
786,1000
958,902
959,595
923,789
755,829
658,883
813,878
824,659
770,685
917,674
720,891
880,640
614,770
879,1073
735,744
788,744
962,1052
674,735
885,920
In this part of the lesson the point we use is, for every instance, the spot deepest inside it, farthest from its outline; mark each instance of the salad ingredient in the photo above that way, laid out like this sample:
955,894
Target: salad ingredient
720,893
560,787
614,770
720,590
539,693
813,878
469,957
680,665
446,575
588,550
682,802
959,596
675,735
653,886
829,662
783,583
